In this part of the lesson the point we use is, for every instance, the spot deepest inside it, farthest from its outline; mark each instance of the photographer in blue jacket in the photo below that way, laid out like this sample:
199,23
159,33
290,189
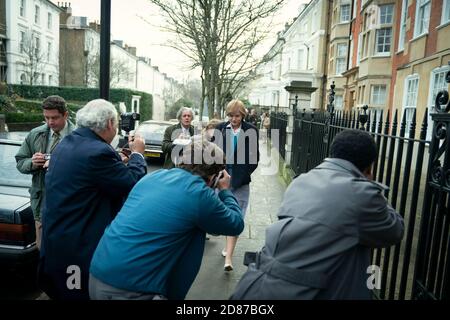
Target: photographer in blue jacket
154,247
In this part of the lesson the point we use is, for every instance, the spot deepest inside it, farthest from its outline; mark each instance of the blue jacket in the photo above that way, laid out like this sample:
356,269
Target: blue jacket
86,185
244,159
156,242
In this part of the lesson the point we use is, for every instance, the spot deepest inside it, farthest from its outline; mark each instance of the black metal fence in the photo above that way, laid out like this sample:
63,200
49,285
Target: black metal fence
432,273
399,166
279,121
418,267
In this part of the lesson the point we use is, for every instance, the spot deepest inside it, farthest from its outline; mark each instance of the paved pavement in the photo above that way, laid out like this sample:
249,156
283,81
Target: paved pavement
266,192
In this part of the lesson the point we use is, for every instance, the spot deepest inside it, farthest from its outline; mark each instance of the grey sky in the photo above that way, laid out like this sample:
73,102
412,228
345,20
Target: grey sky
145,33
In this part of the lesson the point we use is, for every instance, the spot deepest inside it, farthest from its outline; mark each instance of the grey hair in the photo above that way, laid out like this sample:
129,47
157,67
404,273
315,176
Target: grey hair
96,114
182,109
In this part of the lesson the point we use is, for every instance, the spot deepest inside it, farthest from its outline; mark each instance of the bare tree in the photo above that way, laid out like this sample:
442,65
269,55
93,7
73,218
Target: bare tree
119,70
220,36
33,58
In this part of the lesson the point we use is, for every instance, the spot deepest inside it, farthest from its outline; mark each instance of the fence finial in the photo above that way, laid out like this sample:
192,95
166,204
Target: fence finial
363,117
330,107
294,106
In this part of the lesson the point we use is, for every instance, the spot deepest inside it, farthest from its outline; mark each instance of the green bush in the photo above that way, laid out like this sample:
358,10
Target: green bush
84,95
32,106
16,117
6,104
171,112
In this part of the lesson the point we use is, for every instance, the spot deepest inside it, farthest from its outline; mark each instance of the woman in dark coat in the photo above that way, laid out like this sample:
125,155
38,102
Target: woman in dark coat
240,144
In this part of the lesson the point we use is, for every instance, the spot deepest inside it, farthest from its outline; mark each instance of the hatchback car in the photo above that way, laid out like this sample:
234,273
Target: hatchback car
17,231
153,133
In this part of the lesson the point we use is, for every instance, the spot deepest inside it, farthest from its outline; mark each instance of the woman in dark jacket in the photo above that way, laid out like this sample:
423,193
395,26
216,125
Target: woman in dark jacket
240,144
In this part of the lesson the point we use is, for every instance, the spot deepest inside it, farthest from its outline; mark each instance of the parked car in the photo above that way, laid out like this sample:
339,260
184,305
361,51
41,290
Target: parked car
153,133
17,231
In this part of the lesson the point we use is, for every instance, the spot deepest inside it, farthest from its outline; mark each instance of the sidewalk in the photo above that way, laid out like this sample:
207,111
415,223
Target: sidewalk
266,194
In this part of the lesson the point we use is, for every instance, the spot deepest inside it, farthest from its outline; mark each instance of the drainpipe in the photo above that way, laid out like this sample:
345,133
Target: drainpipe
350,24
325,60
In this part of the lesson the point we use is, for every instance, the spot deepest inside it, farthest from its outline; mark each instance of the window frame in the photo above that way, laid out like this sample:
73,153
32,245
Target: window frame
403,18
49,20
22,36
37,14
445,7
418,21
385,26
349,14
408,79
341,58
23,8
372,94
37,45
49,50
336,98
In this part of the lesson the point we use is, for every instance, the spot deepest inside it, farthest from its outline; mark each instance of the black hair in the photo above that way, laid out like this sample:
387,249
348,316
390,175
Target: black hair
356,146
55,103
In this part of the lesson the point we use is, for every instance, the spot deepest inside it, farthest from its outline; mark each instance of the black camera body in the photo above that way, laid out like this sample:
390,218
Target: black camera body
128,121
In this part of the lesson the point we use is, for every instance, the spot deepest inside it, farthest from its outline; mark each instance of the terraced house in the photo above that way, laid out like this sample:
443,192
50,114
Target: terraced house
32,32
399,55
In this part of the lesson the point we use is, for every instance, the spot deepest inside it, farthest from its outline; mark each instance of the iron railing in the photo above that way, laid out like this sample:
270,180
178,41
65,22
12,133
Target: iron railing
279,121
399,166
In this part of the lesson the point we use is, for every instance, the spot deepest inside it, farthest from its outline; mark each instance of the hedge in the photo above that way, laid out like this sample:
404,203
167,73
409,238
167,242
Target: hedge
36,106
86,94
15,117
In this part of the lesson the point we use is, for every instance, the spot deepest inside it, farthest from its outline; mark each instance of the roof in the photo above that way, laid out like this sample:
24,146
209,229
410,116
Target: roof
53,5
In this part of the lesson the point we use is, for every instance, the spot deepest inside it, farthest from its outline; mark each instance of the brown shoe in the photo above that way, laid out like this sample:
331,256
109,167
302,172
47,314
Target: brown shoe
228,267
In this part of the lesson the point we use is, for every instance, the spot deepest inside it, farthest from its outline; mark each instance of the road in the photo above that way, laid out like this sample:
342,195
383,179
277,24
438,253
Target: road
15,286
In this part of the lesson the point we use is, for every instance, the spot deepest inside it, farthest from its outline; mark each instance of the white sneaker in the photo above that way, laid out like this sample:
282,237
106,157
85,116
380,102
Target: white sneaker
224,253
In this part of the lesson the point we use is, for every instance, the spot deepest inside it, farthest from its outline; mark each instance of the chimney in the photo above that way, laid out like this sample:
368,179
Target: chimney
65,14
131,50
95,26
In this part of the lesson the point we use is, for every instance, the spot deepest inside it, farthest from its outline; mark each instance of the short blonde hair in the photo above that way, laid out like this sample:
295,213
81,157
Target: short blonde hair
236,106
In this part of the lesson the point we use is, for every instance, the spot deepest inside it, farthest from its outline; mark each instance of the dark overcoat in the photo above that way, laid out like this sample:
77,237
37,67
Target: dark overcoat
86,185
244,159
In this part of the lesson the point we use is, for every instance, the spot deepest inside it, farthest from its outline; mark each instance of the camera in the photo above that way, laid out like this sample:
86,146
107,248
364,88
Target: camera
128,121
47,156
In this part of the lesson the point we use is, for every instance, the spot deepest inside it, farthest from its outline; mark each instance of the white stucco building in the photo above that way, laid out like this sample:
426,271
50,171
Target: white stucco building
296,62
32,42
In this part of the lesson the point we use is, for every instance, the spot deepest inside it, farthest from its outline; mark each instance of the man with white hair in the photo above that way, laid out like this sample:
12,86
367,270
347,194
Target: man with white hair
87,184
183,130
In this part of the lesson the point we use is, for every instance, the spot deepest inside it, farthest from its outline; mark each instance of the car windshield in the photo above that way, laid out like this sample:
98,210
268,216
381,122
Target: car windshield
9,175
152,131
